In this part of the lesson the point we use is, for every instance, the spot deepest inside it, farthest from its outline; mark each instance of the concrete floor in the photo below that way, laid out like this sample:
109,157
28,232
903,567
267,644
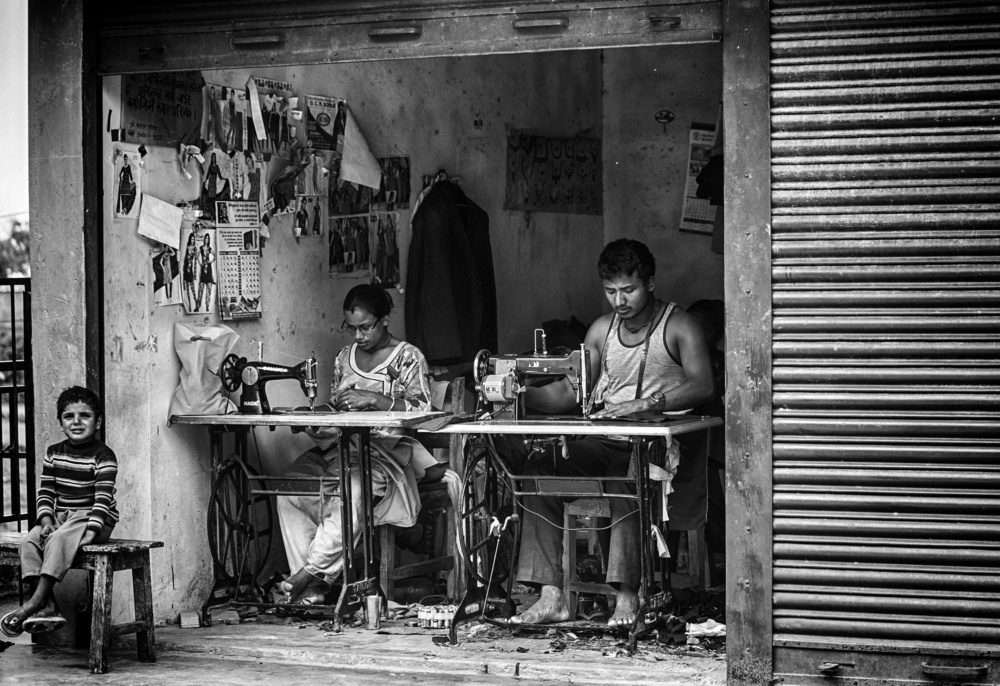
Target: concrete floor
291,651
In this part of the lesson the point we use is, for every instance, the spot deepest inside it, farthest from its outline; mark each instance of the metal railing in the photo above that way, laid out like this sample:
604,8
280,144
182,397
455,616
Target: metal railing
17,426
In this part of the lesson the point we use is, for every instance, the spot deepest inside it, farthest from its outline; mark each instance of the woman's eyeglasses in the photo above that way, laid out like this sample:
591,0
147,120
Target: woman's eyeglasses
353,330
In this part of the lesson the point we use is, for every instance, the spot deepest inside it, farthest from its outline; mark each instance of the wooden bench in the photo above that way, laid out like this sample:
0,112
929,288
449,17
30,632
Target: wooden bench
102,560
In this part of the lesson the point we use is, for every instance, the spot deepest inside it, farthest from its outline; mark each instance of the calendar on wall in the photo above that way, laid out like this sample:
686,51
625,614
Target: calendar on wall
239,260
698,214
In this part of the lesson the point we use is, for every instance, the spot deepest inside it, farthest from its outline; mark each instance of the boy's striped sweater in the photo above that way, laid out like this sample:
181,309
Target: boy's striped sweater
79,477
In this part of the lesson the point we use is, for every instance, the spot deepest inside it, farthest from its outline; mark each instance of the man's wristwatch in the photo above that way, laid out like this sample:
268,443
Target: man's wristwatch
657,399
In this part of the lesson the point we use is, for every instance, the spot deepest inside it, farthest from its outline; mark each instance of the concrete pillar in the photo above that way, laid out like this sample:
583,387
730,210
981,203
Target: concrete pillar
57,212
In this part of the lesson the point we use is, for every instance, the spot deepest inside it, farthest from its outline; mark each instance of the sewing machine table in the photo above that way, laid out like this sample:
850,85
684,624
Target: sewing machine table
479,597
226,589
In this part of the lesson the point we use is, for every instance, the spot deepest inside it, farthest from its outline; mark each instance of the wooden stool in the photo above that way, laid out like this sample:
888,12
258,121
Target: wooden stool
698,559
432,497
581,507
102,560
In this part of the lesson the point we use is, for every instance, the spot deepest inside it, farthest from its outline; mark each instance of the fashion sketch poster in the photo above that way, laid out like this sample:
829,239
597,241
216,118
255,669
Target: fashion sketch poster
128,182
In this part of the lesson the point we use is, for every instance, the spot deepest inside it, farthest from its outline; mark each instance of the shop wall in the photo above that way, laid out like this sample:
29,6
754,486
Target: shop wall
449,114
645,162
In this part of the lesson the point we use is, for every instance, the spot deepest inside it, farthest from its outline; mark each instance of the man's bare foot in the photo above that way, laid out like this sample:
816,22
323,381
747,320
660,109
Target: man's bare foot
551,607
626,608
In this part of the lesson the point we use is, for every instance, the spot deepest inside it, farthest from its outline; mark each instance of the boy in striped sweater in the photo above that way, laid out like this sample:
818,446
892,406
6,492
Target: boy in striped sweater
76,507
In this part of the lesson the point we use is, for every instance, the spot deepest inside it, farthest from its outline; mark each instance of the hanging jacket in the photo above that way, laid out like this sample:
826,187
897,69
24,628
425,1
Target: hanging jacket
451,307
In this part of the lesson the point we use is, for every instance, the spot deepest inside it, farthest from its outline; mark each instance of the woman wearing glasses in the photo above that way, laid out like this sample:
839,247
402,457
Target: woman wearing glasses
376,372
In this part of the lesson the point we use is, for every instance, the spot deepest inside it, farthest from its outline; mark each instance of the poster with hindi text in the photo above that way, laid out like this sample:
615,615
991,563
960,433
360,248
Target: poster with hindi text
162,108
238,240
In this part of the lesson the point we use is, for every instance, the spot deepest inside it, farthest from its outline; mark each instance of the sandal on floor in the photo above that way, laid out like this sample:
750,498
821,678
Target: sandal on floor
40,623
10,626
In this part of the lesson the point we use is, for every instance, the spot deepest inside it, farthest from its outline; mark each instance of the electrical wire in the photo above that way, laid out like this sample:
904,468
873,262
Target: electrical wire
579,528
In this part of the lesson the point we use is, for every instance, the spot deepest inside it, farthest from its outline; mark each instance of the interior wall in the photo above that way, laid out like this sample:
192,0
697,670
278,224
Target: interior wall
645,162
449,114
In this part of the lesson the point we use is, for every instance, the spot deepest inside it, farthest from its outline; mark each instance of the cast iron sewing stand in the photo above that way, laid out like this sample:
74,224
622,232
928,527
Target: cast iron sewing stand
500,494
234,524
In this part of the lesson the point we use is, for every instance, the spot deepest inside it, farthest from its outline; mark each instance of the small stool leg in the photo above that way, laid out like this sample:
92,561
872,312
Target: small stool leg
100,623
387,559
142,591
696,558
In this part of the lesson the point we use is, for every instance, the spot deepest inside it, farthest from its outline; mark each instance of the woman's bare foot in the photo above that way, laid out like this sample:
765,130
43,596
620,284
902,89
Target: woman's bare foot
293,586
626,608
551,607
303,587
314,593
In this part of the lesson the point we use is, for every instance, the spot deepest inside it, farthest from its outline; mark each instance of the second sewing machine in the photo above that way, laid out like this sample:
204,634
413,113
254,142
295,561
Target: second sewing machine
502,379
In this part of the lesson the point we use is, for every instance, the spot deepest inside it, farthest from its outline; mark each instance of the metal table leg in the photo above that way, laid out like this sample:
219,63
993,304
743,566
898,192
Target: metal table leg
355,589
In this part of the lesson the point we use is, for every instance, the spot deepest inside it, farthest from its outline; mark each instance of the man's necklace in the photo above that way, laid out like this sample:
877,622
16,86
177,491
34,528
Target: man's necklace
652,316
638,328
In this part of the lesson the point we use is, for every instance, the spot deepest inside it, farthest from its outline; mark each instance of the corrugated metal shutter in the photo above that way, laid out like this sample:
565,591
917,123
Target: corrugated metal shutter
886,294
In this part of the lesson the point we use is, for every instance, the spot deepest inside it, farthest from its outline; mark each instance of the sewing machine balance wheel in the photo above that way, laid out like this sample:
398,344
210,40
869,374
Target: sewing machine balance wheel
490,533
481,365
230,373
240,523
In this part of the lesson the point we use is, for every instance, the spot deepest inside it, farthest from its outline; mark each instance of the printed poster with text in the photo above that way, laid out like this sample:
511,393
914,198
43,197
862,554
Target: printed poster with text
698,214
238,240
162,108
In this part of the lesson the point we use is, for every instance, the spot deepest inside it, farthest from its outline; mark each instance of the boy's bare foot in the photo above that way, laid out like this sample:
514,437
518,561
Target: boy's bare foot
551,607
626,608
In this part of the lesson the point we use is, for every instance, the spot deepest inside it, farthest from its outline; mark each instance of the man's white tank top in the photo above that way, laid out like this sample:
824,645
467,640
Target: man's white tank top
622,368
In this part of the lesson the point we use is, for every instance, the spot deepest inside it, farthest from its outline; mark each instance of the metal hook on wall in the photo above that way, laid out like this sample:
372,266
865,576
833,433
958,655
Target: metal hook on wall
664,117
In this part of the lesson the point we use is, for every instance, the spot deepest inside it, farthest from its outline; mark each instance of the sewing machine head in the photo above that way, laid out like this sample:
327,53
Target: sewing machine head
253,376
502,379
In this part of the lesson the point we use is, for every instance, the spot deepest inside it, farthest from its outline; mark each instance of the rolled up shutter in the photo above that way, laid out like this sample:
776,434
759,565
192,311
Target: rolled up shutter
885,132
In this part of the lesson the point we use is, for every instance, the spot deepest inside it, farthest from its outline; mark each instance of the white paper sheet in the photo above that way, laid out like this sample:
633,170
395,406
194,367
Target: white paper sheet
359,164
160,221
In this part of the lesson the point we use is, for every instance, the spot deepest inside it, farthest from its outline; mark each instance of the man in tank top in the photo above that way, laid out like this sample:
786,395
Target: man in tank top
646,355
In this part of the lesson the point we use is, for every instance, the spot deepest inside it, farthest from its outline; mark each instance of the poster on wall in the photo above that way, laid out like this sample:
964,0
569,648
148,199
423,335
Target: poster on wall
394,191
128,181
383,248
546,174
348,243
325,122
223,178
197,263
238,259
348,198
162,108
255,186
310,179
698,214
166,276
224,117
269,120
310,216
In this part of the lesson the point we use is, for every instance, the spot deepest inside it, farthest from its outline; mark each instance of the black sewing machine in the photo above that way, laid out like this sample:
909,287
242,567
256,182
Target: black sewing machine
252,376
502,379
